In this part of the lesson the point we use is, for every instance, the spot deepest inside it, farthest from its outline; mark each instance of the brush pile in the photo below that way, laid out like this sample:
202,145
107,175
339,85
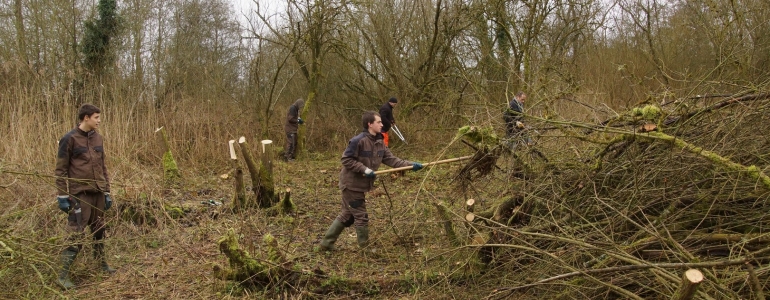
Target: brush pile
625,207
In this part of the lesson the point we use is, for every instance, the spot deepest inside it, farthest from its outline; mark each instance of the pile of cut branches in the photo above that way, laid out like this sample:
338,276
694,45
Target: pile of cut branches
628,205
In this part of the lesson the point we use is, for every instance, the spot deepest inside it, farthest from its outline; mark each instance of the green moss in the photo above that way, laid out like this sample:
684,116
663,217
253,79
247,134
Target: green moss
267,196
174,212
273,253
479,135
337,283
242,265
726,163
170,169
648,112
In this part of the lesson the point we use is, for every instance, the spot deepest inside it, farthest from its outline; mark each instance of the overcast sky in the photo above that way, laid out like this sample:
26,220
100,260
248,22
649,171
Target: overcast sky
245,7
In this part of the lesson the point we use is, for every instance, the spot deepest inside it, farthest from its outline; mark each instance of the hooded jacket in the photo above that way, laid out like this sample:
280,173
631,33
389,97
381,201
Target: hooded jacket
386,114
80,163
365,151
292,117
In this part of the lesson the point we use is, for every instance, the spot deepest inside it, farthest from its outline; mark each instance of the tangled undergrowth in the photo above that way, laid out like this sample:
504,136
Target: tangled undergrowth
619,209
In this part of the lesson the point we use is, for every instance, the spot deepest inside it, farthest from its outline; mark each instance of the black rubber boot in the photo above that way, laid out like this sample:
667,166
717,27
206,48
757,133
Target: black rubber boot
99,255
67,258
334,231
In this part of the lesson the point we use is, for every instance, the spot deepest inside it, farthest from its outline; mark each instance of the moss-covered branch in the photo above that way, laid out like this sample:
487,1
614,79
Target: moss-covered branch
243,267
752,170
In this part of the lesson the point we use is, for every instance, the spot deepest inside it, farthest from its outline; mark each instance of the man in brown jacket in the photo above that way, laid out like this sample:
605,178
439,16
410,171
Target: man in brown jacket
83,188
363,156
291,127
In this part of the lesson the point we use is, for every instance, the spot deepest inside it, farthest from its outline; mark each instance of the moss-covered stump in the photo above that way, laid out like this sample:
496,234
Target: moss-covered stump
171,175
170,169
266,195
285,207
244,268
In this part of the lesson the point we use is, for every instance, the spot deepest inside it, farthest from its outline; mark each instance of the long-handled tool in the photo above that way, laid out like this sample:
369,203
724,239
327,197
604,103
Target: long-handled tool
425,164
398,133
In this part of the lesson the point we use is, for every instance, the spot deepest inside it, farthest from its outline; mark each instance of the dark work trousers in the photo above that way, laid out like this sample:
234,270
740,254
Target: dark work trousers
353,210
91,215
291,146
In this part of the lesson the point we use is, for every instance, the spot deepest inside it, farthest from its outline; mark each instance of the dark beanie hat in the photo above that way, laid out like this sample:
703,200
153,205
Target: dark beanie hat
393,100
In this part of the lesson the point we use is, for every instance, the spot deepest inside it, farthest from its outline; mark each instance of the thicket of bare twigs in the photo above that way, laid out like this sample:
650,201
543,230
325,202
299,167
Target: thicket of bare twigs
618,212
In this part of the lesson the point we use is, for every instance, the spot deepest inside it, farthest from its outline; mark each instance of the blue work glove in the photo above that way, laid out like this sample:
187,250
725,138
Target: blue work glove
107,201
369,173
300,121
64,203
416,166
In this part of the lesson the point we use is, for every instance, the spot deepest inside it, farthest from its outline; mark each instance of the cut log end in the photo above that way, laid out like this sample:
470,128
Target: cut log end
232,150
288,190
693,275
469,204
265,145
470,217
241,140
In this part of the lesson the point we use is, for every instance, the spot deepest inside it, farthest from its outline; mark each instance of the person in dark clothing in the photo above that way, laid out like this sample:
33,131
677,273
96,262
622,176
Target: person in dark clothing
513,115
83,189
363,156
386,113
291,127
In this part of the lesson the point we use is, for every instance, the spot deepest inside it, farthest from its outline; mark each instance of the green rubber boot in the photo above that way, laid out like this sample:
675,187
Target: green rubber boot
362,234
67,258
334,231
99,255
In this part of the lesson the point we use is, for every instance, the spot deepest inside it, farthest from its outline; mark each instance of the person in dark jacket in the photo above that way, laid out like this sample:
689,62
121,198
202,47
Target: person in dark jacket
291,127
386,113
513,115
363,156
83,189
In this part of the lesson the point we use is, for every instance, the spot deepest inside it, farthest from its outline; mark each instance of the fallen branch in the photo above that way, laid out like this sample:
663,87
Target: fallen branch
752,170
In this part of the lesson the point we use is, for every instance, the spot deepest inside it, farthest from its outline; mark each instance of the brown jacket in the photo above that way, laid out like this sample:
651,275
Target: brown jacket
292,116
81,156
365,151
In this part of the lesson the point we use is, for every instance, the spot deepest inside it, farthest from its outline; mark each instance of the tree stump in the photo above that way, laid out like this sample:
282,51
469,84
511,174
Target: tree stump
171,174
266,196
690,281
239,199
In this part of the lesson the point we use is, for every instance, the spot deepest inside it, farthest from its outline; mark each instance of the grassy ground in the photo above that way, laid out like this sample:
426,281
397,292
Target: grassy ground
162,255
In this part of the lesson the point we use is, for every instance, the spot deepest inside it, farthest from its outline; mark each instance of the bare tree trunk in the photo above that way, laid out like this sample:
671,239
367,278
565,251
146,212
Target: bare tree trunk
21,37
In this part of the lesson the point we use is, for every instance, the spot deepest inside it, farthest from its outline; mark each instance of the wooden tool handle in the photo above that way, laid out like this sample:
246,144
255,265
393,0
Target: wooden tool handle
424,165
